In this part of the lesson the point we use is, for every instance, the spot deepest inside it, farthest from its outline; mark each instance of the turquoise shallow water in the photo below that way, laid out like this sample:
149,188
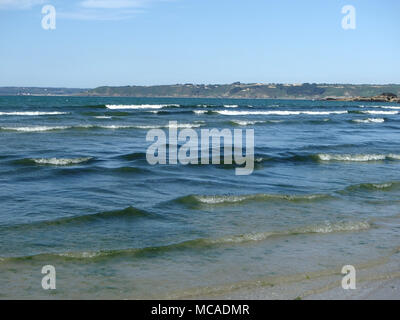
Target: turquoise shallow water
77,192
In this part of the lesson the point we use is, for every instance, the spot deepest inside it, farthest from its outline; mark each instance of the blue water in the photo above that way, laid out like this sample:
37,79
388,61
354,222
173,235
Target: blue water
77,192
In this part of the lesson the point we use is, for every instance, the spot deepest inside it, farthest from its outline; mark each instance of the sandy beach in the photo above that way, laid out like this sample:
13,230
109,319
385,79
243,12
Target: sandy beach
376,280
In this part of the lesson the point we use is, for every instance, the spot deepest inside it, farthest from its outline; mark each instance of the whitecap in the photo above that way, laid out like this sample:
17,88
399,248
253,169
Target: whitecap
325,228
380,112
31,113
231,106
200,111
61,161
370,120
246,123
356,157
34,129
277,112
141,106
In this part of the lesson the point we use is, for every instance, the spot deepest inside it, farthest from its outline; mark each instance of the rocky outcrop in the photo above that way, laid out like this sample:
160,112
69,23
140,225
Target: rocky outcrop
384,97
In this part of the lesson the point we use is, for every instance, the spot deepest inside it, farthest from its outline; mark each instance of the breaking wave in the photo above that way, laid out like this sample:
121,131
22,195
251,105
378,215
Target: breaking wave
231,106
369,120
103,117
200,111
277,112
56,161
92,126
198,200
34,129
31,113
358,157
246,123
383,107
384,186
380,112
323,157
199,244
140,106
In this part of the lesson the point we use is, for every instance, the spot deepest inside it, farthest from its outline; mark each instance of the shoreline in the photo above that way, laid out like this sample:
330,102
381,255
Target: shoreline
375,279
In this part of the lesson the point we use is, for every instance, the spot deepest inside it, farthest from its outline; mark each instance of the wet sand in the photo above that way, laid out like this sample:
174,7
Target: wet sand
376,280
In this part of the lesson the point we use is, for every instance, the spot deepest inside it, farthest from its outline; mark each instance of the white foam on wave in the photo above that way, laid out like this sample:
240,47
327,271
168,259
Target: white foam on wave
231,106
103,117
34,129
111,127
177,126
232,199
358,157
370,120
80,255
247,123
61,161
390,107
277,112
221,199
380,112
330,227
200,111
140,106
31,113
325,228
383,107
382,185
184,125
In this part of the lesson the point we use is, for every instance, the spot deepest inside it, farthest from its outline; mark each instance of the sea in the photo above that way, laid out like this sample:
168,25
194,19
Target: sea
77,193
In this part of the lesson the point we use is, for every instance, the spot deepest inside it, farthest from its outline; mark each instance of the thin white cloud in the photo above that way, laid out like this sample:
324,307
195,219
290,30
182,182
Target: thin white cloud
88,9
19,4
113,4
108,9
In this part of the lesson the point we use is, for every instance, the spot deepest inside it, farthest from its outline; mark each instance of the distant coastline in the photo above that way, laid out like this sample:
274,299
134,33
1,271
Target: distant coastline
237,90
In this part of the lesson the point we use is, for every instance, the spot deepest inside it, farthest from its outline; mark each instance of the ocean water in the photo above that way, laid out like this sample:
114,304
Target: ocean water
76,192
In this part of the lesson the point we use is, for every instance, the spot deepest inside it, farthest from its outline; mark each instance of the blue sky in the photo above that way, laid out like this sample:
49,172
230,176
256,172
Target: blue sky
145,42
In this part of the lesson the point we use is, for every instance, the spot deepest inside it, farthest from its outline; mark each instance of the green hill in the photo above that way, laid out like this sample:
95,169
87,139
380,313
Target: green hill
241,90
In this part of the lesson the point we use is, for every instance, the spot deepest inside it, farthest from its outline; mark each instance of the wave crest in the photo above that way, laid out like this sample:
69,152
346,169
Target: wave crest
196,200
277,112
31,113
357,157
61,161
369,120
34,129
127,213
94,127
384,186
380,112
205,243
139,106
246,123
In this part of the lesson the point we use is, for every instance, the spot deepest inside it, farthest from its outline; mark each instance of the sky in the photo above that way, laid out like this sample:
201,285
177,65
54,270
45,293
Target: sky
153,42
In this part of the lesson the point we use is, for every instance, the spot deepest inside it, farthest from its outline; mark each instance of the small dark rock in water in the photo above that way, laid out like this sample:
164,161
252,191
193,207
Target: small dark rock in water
389,95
